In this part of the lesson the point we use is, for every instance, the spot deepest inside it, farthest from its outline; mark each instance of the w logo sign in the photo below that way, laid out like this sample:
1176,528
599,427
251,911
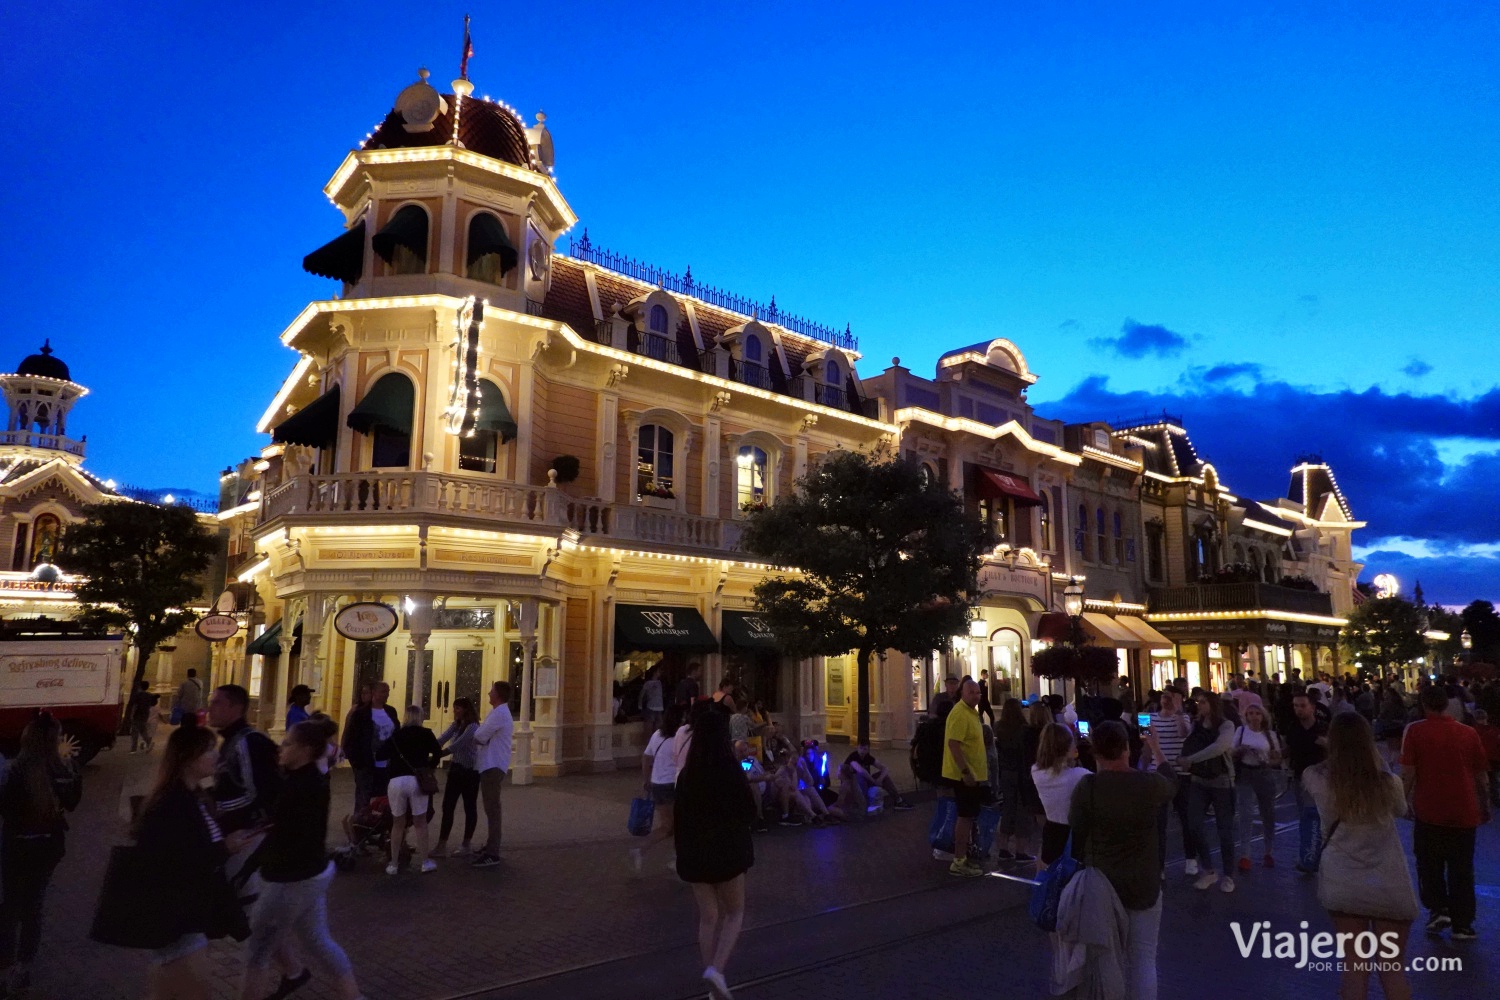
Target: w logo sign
757,624
661,619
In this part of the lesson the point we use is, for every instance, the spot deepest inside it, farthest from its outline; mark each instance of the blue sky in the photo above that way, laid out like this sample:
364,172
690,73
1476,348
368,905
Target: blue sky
1280,223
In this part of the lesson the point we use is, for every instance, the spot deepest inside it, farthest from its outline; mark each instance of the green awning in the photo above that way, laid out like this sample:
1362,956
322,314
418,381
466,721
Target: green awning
342,258
315,425
494,415
659,627
487,235
407,228
747,630
388,404
268,643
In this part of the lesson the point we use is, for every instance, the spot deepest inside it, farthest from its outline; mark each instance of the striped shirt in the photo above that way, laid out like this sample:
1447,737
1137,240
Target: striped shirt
1170,731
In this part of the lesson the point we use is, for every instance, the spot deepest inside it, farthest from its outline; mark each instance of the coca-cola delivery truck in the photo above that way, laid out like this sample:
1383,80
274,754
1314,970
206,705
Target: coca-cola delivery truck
76,679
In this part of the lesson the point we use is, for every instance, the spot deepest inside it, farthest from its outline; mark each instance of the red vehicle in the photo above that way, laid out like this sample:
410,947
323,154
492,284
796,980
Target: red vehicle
76,679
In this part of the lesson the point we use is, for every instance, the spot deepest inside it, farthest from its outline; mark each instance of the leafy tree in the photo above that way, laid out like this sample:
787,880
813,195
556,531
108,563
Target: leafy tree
887,560
1483,623
1383,632
140,565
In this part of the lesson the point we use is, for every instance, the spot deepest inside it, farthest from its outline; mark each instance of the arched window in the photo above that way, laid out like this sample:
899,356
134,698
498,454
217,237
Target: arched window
1081,532
1006,668
753,352
750,478
480,451
402,242
46,531
1044,511
833,373
385,414
1119,526
653,462
491,254
42,418
656,321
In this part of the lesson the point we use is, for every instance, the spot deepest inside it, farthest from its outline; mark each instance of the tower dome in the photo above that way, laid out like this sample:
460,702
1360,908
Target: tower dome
43,364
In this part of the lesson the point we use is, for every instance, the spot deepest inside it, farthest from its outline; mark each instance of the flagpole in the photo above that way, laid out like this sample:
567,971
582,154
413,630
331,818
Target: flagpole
463,62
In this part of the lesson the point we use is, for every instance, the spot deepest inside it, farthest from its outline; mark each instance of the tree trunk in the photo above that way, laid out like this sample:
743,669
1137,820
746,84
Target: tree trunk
143,653
862,696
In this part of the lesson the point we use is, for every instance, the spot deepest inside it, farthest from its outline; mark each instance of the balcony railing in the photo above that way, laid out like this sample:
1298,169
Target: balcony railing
830,395
654,345
52,442
377,496
750,373
1239,597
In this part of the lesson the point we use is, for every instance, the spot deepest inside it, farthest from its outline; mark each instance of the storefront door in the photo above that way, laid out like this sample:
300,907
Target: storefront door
838,684
455,669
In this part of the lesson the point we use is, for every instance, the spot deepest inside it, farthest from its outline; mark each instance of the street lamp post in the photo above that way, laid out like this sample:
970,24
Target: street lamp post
1073,608
1467,642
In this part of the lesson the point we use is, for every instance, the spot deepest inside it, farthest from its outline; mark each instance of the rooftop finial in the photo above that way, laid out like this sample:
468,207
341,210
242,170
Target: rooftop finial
423,74
47,346
541,117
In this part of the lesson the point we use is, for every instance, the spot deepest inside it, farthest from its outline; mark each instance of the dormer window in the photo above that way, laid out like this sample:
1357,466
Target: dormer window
402,242
656,320
832,373
754,353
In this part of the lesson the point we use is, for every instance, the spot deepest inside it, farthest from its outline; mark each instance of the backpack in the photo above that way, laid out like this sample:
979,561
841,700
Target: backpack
927,751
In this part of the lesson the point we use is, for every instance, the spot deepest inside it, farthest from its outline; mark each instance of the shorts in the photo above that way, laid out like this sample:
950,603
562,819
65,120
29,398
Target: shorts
181,948
969,799
663,795
404,797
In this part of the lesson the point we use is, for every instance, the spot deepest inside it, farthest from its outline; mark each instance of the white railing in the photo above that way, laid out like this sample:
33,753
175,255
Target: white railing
51,442
374,495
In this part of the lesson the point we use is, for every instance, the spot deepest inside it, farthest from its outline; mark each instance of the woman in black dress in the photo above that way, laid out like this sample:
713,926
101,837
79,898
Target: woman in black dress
712,814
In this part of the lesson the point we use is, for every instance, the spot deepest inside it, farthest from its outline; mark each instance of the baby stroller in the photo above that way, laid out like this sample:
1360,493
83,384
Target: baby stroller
369,833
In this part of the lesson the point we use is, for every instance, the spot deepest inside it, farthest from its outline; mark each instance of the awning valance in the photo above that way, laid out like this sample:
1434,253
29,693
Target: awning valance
748,631
993,484
388,404
494,415
342,258
1054,626
407,228
315,425
1109,632
486,236
656,627
1142,628
268,643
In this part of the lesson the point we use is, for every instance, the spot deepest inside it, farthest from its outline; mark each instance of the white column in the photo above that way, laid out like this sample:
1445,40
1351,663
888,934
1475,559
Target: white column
520,767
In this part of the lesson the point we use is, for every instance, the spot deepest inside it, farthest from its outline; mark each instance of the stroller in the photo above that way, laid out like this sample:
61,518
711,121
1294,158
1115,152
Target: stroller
368,833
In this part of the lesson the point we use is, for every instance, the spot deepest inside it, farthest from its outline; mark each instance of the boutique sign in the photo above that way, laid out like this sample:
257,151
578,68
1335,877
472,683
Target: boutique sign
365,621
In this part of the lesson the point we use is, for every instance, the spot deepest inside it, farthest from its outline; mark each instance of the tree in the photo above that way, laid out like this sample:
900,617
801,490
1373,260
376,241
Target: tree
140,565
887,560
1384,631
1483,625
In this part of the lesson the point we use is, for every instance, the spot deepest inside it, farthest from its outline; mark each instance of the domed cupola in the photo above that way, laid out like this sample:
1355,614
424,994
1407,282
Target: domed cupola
38,396
43,364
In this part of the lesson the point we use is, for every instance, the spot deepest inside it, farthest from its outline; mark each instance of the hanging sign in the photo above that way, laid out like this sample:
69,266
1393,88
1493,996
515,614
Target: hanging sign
365,621
217,628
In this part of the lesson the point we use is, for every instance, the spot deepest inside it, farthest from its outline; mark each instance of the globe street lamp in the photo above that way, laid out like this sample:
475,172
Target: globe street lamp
1073,598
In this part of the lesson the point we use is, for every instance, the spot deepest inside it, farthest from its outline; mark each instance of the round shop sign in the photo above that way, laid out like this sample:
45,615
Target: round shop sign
217,628
365,621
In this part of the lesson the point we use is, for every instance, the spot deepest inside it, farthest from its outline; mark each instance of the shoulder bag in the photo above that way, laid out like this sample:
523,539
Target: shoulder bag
427,782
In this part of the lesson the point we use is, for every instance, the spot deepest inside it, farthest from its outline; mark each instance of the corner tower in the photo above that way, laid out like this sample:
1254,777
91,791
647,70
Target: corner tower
39,395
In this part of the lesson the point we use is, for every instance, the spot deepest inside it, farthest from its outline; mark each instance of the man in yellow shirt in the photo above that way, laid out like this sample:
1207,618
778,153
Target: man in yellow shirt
965,769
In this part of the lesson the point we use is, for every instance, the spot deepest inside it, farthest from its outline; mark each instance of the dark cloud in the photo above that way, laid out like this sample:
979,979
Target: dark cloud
1380,445
1416,368
1139,340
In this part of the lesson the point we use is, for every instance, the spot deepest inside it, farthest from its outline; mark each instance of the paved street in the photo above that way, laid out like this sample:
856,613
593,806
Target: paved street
859,911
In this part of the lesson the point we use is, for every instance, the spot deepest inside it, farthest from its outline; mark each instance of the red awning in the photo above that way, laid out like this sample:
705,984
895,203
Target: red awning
1054,627
993,484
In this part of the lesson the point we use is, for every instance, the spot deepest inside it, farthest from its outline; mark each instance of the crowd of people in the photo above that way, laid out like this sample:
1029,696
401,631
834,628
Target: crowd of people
1106,776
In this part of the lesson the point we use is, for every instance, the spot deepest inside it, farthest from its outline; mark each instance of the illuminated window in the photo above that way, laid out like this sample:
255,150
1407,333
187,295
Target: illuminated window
995,513
45,533
653,463
750,478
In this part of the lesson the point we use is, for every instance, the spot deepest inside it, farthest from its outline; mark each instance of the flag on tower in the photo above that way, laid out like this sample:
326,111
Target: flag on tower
463,64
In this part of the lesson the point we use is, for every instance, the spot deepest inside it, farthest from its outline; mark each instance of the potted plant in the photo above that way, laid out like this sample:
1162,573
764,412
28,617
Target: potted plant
659,495
566,467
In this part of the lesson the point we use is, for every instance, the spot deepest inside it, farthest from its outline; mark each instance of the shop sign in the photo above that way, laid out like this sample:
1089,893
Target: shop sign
365,621
217,628
998,579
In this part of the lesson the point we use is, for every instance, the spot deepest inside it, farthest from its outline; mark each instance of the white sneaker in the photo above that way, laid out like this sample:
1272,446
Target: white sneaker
392,869
716,983
1190,867
463,851
1207,880
1226,884
938,855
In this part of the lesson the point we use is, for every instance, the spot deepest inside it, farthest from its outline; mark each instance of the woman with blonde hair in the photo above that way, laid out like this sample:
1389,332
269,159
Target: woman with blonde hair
1056,773
1257,758
1363,880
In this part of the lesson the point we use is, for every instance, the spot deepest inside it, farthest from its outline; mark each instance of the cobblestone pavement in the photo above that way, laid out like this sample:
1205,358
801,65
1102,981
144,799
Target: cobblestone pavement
860,910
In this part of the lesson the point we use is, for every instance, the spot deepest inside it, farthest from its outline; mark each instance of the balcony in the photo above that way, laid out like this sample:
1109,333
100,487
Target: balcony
381,497
750,373
51,442
1206,597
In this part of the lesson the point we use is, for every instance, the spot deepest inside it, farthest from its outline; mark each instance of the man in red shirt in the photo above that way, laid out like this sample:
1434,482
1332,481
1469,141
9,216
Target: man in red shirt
1446,774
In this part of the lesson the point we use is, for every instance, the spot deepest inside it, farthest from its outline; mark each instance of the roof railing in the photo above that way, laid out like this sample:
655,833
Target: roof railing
1146,420
686,284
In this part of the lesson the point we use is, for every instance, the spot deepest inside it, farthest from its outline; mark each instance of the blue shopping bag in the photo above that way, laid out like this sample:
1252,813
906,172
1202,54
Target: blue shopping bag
940,831
984,828
1047,894
642,813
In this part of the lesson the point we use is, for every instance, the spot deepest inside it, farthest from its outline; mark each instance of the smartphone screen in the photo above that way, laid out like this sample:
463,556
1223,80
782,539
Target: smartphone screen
1083,728
747,765
1143,719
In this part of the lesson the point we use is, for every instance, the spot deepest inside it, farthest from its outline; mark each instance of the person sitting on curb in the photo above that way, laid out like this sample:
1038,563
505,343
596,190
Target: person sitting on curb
865,781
